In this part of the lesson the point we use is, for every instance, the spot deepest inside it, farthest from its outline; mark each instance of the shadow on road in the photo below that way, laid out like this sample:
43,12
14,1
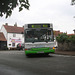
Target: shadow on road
39,56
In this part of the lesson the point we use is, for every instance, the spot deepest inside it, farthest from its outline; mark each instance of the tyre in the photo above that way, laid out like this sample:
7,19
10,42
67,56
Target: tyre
27,55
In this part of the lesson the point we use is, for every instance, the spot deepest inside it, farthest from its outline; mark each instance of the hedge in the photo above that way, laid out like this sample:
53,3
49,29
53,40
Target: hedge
66,42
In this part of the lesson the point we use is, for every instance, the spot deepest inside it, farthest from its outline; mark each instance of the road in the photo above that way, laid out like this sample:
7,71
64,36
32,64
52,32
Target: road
16,63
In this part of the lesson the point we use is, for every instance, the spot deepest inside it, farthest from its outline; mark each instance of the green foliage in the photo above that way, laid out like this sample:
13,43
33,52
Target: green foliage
73,0
61,38
6,6
72,39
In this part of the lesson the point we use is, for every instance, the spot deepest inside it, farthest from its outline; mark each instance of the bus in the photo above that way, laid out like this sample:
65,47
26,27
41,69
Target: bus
39,38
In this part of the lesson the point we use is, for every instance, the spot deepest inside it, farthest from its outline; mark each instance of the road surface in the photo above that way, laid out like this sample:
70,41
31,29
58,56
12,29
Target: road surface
16,63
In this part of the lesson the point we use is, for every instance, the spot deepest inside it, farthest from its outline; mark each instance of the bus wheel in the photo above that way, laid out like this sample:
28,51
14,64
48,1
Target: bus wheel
27,55
47,54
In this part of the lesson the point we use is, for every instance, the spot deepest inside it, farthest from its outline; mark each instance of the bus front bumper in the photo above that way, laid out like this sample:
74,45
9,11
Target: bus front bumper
39,52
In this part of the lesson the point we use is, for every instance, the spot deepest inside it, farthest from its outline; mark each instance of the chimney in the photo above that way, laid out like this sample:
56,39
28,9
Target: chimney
15,24
6,24
74,31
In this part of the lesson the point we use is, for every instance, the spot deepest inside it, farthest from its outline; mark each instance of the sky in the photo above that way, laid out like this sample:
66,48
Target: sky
58,12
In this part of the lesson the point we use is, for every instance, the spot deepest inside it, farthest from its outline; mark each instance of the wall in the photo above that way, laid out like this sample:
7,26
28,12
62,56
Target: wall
3,45
14,40
66,46
4,32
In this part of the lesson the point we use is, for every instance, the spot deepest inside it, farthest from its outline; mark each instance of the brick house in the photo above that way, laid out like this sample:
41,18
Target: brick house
71,34
13,35
56,33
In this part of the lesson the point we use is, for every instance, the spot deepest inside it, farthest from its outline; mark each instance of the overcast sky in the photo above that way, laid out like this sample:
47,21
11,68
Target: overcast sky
58,12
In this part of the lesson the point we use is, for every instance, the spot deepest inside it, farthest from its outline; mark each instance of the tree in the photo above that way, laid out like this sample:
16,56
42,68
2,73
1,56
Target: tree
7,6
73,2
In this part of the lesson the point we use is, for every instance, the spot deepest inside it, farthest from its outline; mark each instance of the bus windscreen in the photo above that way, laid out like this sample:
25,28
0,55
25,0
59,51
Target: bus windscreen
38,35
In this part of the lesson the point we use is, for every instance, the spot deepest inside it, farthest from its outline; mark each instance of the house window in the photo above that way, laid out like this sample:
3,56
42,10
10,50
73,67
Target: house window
13,44
14,35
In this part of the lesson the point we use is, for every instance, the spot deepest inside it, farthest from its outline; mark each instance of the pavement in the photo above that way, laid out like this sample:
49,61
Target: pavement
65,52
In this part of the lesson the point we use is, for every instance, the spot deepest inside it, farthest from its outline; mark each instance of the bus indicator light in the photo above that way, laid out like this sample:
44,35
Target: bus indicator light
53,47
25,49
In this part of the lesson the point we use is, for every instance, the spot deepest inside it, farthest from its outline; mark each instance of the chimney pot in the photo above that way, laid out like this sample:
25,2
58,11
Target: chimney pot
15,24
6,24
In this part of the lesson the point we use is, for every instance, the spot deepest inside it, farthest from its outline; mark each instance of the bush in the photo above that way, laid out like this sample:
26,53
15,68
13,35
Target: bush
61,38
72,39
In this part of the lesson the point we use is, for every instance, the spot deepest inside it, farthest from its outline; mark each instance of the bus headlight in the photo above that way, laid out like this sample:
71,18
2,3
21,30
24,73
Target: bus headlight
27,49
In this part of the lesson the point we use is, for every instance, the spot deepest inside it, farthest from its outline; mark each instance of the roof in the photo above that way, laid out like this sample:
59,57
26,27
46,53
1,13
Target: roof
2,38
70,34
56,33
14,29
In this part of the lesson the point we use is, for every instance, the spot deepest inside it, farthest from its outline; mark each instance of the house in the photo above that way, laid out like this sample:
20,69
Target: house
72,33
3,41
13,35
56,33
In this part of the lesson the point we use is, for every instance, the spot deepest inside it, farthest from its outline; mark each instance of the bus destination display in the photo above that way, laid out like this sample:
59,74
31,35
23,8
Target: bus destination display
38,25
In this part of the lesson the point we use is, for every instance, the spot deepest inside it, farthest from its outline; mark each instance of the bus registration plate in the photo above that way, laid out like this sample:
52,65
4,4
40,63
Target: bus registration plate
39,46
40,52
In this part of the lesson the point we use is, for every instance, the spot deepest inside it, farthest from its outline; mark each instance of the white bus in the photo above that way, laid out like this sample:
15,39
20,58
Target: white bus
39,39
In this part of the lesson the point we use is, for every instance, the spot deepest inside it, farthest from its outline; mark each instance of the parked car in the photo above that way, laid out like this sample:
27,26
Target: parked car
20,46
